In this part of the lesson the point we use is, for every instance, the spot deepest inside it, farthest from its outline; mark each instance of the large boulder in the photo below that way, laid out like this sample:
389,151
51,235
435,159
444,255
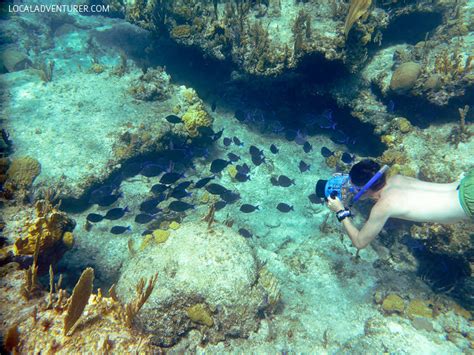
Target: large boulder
208,280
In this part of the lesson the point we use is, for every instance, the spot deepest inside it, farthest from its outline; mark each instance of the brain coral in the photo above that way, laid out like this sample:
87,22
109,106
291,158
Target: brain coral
195,117
404,78
23,171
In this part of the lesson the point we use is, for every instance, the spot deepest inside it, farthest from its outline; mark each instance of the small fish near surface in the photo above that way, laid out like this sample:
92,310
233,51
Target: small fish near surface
218,135
220,205
307,147
203,182
245,233
237,142
347,158
218,165
149,206
227,141
183,185
179,194
258,159
303,166
285,181
216,189
241,177
274,181
233,157
159,188
243,169
143,218
254,151
119,229
180,206
247,208
284,207
116,213
170,178
325,152
274,149
230,197
173,119
94,217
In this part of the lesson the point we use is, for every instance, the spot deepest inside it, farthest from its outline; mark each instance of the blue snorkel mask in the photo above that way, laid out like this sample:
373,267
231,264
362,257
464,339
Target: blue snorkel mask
340,186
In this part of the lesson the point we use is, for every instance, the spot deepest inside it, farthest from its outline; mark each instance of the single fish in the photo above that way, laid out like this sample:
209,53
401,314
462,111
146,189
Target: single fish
307,147
325,152
313,198
258,159
206,131
218,165
116,213
303,166
239,115
101,192
213,106
149,206
150,170
183,185
290,135
233,157
254,151
247,208
216,189
143,218
159,188
220,205
146,232
108,200
391,106
94,217
242,177
285,208
285,181
245,233
227,141
131,170
170,178
237,141
274,149
274,181
243,169
119,229
173,119
230,197
180,206
178,194
203,182
347,158
218,135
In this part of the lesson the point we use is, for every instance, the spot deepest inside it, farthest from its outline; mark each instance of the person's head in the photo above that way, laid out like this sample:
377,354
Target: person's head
363,171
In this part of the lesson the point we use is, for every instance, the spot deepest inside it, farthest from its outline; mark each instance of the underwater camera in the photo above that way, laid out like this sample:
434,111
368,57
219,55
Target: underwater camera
340,185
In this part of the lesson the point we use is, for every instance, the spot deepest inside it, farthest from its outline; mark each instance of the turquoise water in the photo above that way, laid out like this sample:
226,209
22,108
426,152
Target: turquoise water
111,110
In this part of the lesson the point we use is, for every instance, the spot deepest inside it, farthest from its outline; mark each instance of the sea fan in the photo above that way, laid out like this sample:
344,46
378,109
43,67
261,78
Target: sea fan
357,9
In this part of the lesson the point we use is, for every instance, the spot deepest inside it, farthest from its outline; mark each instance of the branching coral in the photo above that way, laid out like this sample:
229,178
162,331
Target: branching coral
460,133
453,67
301,30
357,9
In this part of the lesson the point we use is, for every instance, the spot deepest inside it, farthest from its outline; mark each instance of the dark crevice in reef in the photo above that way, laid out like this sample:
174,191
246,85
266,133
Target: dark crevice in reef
411,28
288,99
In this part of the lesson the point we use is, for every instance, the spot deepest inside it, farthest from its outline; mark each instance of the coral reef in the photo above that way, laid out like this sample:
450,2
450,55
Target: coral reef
22,172
153,85
404,78
39,324
209,280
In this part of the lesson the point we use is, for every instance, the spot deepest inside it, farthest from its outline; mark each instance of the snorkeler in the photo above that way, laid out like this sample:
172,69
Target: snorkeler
404,198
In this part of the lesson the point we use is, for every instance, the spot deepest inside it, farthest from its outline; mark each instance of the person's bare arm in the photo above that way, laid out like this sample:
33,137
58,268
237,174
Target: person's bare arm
378,217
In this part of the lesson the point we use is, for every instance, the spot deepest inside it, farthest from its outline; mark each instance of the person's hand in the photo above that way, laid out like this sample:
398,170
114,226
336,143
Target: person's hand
335,204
